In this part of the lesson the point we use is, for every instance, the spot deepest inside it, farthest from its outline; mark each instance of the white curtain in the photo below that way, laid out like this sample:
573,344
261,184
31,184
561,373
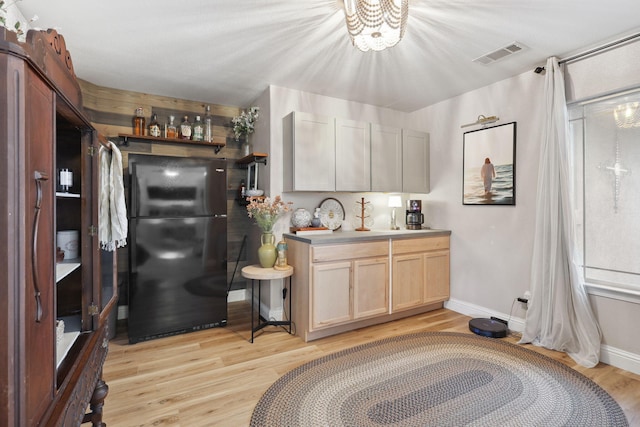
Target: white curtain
559,315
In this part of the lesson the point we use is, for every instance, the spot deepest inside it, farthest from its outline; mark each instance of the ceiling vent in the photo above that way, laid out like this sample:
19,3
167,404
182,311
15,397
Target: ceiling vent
500,53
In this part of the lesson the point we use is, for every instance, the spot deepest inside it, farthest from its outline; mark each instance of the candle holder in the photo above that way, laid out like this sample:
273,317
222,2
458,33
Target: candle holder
394,202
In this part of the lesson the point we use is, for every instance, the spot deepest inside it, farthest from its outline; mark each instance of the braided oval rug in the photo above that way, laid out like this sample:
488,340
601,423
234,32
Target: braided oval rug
436,379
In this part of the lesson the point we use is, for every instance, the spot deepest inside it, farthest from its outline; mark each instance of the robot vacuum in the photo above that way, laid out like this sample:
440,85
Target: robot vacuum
488,327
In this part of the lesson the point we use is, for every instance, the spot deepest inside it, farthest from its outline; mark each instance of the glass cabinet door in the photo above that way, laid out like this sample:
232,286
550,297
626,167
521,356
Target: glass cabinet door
85,285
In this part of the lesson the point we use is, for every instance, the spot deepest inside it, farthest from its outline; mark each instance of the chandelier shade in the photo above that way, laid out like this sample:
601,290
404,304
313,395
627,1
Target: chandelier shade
627,115
376,24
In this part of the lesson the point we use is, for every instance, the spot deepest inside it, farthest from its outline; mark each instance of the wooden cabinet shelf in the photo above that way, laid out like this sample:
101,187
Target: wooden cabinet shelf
64,268
71,333
62,195
126,137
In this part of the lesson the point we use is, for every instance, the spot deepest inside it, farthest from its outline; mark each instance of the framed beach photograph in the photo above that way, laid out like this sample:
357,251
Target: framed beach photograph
489,166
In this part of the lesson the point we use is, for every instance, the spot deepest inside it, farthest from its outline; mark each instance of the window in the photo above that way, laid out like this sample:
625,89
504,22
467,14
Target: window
606,141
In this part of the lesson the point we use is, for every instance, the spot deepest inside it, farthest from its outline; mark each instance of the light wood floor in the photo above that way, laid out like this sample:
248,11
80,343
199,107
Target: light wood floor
215,377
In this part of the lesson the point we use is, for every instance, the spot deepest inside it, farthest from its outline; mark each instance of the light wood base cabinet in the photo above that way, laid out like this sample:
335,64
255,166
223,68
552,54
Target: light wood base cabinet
370,287
420,272
340,287
349,282
330,298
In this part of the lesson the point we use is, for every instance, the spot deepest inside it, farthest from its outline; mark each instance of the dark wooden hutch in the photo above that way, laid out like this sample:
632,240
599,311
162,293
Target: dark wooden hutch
43,128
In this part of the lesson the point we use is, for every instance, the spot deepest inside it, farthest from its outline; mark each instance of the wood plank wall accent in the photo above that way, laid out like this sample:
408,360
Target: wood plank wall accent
111,112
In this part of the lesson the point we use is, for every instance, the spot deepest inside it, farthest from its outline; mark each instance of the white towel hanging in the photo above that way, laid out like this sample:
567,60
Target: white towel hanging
112,210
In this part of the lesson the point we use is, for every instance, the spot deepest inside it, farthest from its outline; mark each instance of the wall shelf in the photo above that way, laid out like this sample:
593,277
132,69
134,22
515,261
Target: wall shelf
251,161
253,158
144,138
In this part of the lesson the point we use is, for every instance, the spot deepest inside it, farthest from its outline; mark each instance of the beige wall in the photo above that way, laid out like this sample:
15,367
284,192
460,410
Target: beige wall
491,246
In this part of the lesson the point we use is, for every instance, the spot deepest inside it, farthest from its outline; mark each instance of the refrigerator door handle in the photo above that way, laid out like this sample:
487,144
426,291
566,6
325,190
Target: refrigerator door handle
220,216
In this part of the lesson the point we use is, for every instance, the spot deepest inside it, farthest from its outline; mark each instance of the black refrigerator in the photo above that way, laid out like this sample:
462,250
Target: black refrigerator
178,245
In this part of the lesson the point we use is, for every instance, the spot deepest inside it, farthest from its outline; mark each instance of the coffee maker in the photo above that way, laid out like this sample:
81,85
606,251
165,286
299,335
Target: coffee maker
415,218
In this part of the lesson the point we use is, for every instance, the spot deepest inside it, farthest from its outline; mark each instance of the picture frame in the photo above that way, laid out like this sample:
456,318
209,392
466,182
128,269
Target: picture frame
489,166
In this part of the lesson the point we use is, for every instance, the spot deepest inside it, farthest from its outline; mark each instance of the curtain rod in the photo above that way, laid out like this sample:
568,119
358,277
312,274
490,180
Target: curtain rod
599,48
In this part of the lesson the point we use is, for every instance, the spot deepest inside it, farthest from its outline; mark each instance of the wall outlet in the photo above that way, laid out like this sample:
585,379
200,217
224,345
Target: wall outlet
525,299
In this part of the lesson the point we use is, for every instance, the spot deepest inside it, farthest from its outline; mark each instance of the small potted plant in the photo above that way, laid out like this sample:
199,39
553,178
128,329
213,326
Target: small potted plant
244,125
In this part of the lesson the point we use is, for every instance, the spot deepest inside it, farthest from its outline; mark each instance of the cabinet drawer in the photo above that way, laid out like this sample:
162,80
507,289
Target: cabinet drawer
404,246
350,251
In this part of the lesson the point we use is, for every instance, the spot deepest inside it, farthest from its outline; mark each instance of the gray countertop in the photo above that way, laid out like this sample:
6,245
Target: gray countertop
363,236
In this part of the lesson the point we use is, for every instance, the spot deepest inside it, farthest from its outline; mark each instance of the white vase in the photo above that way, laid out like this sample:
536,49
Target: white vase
316,221
246,146
301,218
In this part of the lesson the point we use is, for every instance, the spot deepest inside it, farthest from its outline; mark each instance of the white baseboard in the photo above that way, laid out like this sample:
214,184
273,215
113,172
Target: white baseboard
610,355
265,310
516,324
620,359
237,295
123,312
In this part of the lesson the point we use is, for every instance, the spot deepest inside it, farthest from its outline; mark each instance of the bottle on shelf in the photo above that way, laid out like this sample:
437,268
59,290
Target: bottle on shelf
185,128
139,122
208,129
66,180
154,126
197,133
242,191
171,129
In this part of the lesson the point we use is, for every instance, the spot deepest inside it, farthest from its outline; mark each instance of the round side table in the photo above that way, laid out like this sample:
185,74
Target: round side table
256,272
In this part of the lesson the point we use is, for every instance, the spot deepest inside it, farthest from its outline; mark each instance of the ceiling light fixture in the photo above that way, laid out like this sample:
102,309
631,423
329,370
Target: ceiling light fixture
376,24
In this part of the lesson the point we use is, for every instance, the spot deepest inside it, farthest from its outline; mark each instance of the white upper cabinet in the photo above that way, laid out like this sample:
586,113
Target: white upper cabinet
309,152
322,153
386,158
353,155
415,162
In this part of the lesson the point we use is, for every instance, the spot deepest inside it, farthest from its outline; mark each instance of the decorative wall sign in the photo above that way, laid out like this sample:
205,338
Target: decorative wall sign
489,166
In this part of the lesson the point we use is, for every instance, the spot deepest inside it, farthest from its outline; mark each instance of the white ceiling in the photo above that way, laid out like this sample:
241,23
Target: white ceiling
228,51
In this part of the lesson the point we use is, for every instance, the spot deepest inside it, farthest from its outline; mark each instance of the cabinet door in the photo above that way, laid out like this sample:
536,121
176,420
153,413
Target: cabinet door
309,152
408,281
386,158
103,263
437,276
330,294
415,162
39,312
370,287
353,155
